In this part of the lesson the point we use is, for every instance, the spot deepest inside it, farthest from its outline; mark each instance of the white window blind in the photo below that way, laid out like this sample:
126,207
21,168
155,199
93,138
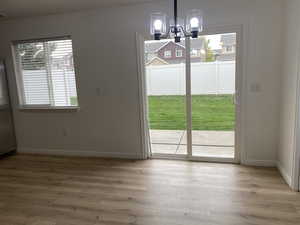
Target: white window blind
46,75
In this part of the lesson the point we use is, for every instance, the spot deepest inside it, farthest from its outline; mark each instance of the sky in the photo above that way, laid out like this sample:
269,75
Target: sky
215,41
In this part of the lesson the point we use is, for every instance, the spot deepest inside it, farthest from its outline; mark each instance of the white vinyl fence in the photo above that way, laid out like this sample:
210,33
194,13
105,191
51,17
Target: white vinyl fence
207,78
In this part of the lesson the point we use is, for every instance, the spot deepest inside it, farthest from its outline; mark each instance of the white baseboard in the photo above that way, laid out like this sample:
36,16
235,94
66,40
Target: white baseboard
284,174
11,149
263,163
84,153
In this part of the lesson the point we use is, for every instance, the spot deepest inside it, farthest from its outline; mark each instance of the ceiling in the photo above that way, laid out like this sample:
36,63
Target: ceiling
26,8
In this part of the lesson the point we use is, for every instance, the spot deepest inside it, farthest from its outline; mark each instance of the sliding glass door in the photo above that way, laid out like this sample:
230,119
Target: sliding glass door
165,81
191,88
213,90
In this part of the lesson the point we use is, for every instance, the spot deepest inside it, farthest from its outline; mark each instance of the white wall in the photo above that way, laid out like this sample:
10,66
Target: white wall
207,78
105,59
289,87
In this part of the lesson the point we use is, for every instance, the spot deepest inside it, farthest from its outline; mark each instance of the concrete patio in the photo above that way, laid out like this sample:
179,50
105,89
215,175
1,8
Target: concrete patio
205,143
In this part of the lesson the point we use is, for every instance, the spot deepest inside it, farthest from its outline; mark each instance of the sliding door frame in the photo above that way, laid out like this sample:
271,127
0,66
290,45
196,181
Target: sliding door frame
238,131
238,103
146,152
188,95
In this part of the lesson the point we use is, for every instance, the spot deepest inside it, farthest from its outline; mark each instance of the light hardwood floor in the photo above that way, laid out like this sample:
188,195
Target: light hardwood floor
47,190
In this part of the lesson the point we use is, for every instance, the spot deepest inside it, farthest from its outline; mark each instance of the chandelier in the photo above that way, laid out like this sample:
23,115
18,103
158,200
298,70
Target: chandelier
176,29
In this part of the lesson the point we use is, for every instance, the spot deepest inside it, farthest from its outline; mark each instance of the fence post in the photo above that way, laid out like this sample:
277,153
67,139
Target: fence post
182,79
217,77
148,78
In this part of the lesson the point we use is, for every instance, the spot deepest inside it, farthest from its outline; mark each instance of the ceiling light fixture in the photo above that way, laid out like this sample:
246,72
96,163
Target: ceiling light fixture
193,25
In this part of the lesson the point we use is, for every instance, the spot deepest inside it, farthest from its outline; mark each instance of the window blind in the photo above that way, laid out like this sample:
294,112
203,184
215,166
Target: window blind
46,74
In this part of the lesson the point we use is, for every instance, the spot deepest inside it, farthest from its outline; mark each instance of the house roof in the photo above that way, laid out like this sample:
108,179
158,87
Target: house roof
196,43
228,39
154,46
217,51
156,59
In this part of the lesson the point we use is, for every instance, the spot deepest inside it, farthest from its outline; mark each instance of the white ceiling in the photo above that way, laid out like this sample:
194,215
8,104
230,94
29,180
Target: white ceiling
25,8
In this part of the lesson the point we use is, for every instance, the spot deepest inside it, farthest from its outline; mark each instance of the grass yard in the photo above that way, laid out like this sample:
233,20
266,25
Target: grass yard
209,112
74,101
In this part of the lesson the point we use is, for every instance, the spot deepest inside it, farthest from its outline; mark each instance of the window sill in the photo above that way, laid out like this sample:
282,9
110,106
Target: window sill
40,108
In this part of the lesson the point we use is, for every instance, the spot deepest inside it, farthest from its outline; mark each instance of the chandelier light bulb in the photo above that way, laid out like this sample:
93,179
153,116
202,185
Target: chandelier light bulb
157,25
194,22
177,28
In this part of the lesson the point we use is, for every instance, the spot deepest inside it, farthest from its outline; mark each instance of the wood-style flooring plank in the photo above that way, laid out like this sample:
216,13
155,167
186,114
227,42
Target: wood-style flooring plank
56,190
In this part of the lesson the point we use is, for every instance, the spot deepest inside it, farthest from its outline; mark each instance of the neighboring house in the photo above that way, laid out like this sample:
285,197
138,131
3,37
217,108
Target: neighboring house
228,48
169,52
63,62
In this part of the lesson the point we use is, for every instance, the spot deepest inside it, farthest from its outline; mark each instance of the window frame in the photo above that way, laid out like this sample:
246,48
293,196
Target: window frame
179,55
194,53
168,56
19,76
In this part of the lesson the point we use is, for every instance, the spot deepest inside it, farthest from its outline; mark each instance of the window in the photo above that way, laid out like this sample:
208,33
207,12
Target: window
229,48
45,73
194,53
178,53
167,54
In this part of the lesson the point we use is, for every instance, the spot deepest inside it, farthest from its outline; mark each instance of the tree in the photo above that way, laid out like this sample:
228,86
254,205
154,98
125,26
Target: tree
209,54
33,55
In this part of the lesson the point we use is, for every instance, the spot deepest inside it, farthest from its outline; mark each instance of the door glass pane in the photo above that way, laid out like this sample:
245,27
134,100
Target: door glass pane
165,84
213,59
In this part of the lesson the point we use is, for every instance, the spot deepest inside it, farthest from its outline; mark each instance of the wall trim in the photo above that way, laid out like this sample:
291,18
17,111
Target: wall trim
295,185
284,174
83,153
262,163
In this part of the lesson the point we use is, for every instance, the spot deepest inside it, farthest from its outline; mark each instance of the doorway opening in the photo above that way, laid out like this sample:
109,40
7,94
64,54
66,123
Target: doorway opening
207,98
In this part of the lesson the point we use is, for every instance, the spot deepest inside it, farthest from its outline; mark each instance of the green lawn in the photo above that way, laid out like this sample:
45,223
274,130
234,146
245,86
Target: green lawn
74,101
209,112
